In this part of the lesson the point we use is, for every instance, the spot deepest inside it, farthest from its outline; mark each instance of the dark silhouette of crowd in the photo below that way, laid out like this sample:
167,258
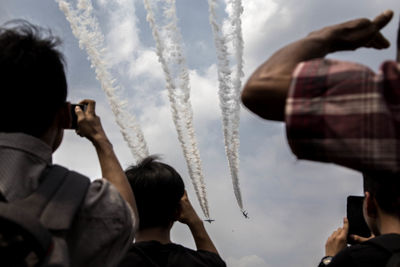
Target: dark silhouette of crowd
335,111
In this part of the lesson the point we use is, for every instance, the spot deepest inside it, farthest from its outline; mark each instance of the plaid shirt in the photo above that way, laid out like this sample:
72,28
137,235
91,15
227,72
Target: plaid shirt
344,113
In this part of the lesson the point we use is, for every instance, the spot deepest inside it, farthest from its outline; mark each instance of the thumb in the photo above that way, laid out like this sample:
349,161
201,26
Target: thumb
346,225
383,19
79,112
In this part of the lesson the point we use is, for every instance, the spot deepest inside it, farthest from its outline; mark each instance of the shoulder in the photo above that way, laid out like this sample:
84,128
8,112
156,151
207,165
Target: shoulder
364,254
174,254
200,256
105,222
104,201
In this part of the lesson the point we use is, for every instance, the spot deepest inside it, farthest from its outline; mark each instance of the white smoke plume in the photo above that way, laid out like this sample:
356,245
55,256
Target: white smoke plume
229,88
170,53
86,29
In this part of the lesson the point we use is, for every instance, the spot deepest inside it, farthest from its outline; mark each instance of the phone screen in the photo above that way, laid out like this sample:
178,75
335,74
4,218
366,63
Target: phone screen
357,224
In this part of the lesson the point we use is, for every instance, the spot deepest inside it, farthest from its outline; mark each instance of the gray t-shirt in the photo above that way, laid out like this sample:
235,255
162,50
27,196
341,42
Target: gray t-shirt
103,228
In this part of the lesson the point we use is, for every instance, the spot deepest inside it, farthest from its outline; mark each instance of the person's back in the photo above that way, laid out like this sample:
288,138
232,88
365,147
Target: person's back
33,116
153,253
161,200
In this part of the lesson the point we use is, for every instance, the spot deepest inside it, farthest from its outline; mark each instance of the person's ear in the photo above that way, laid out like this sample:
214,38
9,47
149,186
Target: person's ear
371,205
177,213
64,116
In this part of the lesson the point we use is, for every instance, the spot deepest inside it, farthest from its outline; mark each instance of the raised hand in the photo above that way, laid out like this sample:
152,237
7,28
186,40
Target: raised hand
338,240
356,33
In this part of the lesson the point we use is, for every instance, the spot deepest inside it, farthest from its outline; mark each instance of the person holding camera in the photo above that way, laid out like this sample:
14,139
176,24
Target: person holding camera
33,115
161,201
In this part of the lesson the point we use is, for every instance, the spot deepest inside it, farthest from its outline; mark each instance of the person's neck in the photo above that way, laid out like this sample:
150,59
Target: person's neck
160,234
389,224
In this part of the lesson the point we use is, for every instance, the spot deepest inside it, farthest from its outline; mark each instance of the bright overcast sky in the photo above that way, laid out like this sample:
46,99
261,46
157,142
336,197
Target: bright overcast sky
293,205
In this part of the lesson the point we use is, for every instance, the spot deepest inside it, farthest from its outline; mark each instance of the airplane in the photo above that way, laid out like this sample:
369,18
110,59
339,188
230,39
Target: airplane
209,220
245,214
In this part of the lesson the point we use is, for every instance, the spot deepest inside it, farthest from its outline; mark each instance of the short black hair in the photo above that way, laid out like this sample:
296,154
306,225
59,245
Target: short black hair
385,188
33,85
158,189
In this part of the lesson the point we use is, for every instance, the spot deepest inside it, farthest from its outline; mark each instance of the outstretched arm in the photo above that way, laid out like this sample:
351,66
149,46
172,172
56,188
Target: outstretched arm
189,217
266,91
89,126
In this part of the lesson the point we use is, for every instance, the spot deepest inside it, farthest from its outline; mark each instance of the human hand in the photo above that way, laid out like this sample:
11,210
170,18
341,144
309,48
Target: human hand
187,213
356,33
360,239
89,124
338,239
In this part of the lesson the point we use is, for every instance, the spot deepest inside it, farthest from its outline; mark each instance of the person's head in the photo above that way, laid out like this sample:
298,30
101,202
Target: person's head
33,83
382,194
158,189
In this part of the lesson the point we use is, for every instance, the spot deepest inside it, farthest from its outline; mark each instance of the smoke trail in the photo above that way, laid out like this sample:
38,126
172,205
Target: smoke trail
229,91
169,51
86,29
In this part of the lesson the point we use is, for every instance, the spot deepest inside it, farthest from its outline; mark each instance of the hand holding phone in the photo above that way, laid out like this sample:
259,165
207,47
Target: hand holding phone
357,224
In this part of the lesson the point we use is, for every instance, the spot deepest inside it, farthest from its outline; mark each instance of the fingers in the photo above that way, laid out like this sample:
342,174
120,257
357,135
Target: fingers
383,19
91,105
379,42
360,239
345,225
79,112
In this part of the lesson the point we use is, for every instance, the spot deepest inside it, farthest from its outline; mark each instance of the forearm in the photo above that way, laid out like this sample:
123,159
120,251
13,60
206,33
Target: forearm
201,238
112,170
266,91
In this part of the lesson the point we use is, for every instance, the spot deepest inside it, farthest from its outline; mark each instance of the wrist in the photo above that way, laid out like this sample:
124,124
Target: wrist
325,261
101,142
195,223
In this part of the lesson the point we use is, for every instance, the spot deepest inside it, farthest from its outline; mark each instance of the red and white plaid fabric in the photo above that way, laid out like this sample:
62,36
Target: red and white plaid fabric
344,113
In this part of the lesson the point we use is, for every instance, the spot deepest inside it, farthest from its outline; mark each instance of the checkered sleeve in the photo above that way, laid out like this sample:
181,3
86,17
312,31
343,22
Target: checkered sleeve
344,113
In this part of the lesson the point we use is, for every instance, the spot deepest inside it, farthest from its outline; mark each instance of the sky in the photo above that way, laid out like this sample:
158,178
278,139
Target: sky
293,205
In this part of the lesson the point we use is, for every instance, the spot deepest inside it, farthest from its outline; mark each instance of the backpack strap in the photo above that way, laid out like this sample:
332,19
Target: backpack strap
57,198
66,201
390,243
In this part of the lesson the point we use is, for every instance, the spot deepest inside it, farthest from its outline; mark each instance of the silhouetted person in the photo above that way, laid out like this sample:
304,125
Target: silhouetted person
161,200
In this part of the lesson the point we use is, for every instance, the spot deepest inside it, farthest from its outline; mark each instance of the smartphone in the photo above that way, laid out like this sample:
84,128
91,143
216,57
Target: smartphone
357,224
74,118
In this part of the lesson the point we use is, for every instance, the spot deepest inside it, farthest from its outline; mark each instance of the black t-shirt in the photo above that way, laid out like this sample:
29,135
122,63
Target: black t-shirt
155,254
365,254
